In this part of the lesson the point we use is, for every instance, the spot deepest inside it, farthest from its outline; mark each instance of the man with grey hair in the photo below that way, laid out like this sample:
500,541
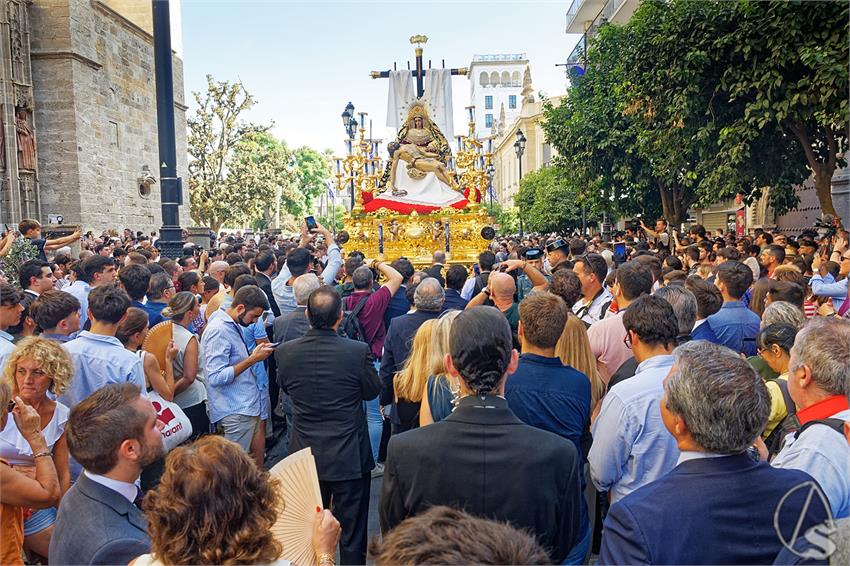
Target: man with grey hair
428,300
294,324
438,263
718,505
819,384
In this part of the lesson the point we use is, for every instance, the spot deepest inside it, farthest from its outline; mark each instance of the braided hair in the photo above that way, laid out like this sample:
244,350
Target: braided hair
481,345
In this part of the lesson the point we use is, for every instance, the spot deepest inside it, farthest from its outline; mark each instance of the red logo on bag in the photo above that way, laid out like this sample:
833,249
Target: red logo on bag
165,416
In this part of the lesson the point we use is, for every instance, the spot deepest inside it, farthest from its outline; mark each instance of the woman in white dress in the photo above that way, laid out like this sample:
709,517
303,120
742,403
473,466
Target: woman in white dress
39,365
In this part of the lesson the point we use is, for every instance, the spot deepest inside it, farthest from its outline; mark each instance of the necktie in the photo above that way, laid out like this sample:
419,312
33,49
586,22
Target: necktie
139,497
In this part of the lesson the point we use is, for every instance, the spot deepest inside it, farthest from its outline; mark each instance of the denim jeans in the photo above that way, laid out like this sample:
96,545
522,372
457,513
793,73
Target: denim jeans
578,553
374,420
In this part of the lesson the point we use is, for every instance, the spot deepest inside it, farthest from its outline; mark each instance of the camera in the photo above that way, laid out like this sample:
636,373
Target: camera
825,226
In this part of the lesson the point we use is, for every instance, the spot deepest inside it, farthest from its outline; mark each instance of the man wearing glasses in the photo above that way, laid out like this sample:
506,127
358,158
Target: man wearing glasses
631,446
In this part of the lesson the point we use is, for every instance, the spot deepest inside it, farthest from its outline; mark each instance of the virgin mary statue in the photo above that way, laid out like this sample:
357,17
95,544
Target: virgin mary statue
417,172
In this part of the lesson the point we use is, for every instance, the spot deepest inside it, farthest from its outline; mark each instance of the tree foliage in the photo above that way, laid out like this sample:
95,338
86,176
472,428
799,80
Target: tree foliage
549,201
312,170
505,217
669,112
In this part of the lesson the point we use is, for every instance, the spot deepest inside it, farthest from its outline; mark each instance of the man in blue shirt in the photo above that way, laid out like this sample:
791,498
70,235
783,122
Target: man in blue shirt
631,447
234,394
547,395
57,314
734,324
818,385
160,290
10,315
135,279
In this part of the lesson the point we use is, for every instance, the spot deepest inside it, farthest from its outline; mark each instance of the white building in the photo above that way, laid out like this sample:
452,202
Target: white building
494,81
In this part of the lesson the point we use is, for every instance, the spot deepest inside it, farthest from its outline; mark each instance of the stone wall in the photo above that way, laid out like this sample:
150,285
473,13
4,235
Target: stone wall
96,119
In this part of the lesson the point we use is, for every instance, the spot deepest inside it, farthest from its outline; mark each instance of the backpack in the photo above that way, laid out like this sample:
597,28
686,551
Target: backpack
351,326
789,424
480,282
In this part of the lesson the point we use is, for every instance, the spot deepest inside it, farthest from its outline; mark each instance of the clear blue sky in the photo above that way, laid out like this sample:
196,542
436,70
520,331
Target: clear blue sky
303,61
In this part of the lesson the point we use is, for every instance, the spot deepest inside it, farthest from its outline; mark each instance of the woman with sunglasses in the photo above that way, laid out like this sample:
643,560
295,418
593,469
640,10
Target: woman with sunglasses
189,391
36,367
19,491
773,344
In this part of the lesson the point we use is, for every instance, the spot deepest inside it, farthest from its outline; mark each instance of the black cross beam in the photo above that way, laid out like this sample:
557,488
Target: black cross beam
419,71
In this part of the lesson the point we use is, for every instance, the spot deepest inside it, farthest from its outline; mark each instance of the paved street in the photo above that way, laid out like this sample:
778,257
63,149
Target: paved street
280,450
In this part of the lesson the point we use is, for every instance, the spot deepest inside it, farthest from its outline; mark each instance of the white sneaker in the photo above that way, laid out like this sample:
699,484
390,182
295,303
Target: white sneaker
377,471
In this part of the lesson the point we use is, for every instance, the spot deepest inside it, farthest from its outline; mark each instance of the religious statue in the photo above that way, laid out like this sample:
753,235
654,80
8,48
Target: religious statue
420,150
26,141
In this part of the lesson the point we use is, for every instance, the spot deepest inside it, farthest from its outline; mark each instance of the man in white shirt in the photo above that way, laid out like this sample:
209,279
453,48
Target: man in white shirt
114,434
592,306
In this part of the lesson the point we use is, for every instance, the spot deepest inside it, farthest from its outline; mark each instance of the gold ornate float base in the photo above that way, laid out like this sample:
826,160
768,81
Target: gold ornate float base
388,235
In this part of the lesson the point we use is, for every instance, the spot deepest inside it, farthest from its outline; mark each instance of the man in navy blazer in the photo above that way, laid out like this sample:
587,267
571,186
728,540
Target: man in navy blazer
113,434
718,505
455,278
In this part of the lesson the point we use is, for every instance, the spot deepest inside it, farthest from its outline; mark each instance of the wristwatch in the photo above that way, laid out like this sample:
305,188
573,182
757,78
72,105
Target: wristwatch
486,291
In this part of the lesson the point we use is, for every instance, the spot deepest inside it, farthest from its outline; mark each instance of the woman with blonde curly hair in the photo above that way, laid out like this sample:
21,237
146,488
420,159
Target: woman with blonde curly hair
39,365
214,506
441,389
409,383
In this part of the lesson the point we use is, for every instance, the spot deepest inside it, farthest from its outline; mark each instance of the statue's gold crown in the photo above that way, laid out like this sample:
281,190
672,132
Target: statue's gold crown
417,110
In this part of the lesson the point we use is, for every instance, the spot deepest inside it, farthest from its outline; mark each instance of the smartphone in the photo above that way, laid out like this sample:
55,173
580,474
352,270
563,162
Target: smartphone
274,344
311,224
620,248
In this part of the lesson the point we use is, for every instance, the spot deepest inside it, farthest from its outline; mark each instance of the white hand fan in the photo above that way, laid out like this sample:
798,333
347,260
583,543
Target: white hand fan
299,484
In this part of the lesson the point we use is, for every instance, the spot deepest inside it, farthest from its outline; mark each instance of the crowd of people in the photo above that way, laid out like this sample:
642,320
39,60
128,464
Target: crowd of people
661,398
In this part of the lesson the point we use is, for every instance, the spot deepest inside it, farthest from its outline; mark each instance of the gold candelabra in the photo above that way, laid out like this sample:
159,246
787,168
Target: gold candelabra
360,169
472,163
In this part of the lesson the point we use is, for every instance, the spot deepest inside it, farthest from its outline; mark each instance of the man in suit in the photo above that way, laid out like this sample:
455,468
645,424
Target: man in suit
35,277
478,458
438,263
456,276
294,324
113,434
264,265
718,505
328,378
428,299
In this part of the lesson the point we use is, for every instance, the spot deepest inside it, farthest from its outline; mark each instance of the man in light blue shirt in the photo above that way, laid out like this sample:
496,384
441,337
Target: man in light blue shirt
10,315
827,287
93,272
99,357
818,385
631,446
735,326
297,263
233,392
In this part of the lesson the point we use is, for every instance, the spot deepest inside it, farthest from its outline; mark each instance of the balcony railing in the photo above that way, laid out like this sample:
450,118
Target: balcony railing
573,11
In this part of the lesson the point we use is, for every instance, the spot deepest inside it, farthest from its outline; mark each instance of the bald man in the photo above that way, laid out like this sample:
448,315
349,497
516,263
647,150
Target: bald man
499,291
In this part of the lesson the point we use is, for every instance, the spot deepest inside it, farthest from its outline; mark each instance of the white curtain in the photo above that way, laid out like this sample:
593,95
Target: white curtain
402,92
438,93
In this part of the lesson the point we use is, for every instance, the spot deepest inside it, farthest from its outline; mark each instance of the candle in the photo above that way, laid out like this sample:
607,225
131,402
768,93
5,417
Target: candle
338,166
490,145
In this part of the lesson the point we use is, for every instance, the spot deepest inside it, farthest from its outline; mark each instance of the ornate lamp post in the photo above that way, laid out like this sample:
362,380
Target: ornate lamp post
349,122
519,147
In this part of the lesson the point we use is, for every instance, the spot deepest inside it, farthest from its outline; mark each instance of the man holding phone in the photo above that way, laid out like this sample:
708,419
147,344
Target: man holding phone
297,262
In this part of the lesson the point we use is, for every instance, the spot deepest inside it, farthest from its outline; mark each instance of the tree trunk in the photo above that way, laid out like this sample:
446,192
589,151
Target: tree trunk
821,171
823,186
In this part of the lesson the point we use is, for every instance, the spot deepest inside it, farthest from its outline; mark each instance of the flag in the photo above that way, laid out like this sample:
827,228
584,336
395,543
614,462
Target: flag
331,194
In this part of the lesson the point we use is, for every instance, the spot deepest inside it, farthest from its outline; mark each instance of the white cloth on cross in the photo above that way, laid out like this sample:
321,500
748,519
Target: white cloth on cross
438,93
402,92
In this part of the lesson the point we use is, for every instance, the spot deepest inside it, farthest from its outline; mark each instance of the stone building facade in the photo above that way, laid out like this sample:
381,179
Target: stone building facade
93,85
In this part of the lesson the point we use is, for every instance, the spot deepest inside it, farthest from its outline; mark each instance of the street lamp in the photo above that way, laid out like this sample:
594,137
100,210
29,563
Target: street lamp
519,147
491,172
348,121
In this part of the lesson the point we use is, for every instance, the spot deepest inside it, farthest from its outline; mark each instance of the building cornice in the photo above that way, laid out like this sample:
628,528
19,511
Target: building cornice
64,54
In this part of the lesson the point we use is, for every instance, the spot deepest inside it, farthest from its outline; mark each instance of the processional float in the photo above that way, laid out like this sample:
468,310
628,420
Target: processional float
419,198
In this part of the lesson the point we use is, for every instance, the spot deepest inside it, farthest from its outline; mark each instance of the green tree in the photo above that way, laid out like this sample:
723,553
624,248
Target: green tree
312,170
787,65
333,219
548,201
506,218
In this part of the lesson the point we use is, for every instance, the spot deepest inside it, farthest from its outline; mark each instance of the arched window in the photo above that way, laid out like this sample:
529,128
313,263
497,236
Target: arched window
515,79
506,78
494,78
484,78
